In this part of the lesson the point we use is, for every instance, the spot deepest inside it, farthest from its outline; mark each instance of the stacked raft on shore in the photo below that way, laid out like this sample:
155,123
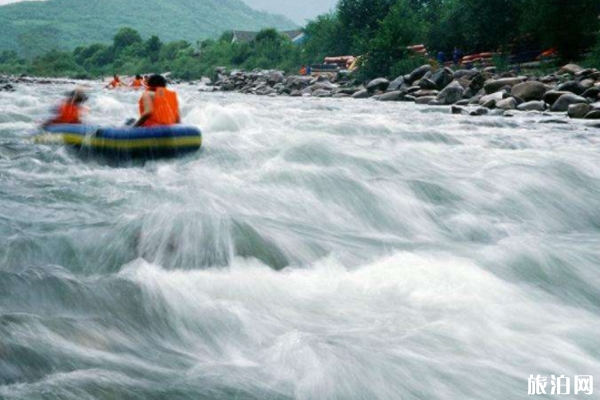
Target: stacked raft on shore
125,142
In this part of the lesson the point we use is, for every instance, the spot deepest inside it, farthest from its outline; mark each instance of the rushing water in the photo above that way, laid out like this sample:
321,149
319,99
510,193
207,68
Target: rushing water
314,249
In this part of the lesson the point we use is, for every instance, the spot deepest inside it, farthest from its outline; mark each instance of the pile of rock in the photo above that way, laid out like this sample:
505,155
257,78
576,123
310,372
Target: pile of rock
8,82
572,89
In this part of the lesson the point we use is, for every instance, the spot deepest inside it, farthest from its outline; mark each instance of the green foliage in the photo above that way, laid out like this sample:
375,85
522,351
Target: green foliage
569,26
378,30
593,58
35,27
401,27
327,36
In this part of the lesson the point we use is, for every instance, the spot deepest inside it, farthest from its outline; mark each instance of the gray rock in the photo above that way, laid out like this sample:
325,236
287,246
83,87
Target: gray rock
322,86
461,73
479,111
340,95
421,93
419,73
532,106
477,82
553,95
464,102
392,96
573,87
493,86
396,84
457,110
451,94
564,101
592,93
507,104
498,96
571,69
529,91
427,84
379,84
424,99
490,104
595,106
275,77
595,114
442,77
322,93
578,111
361,94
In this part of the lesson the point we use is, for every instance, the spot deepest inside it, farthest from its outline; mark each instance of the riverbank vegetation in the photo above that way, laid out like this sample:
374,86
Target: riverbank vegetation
380,30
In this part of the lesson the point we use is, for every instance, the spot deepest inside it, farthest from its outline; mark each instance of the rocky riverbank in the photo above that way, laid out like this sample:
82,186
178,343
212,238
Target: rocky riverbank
571,89
8,82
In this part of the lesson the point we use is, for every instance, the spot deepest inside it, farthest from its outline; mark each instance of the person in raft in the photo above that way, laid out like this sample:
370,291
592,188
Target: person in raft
138,82
158,105
115,83
70,110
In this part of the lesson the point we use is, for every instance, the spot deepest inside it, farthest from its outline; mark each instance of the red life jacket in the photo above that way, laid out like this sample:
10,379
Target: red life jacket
68,113
165,108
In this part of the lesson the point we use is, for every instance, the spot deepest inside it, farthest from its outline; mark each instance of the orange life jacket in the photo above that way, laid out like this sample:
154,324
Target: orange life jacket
115,83
137,83
165,108
68,113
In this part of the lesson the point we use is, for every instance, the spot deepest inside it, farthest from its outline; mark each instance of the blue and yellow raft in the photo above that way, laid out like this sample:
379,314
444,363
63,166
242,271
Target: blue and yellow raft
125,142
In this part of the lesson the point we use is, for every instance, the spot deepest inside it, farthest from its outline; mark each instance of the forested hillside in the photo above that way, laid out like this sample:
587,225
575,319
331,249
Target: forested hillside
33,28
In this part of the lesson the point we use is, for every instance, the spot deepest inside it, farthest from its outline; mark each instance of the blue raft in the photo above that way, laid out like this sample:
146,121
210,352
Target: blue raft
125,142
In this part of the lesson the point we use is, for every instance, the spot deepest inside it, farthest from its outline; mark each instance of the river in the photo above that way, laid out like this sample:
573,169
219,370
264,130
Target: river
313,249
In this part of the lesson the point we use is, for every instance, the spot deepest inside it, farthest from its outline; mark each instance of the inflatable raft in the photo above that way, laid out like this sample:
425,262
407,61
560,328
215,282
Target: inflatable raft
125,142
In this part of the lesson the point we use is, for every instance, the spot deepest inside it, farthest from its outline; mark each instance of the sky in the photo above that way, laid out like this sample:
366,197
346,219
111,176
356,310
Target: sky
298,11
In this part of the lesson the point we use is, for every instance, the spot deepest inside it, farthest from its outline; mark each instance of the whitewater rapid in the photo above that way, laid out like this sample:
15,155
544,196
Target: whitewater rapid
313,249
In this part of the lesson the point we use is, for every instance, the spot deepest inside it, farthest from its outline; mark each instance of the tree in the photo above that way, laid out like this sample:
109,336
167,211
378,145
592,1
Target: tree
360,19
152,48
326,37
402,27
570,26
126,37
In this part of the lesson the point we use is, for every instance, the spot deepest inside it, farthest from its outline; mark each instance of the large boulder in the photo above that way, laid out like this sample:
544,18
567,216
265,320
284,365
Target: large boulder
322,93
571,69
424,99
442,77
275,77
451,94
594,114
392,96
427,84
361,94
553,95
529,91
299,82
578,111
592,93
573,87
495,85
396,84
418,73
477,82
507,104
496,97
421,93
326,85
532,106
379,84
564,101
461,73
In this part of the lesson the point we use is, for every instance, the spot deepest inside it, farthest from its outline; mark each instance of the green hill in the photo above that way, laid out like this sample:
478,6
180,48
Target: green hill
33,28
